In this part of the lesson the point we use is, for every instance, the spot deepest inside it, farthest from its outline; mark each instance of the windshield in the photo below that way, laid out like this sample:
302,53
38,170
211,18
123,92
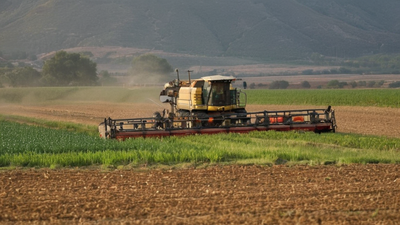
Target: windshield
220,94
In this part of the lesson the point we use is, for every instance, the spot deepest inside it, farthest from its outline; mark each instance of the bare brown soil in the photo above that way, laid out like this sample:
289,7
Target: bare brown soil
361,120
355,194
350,119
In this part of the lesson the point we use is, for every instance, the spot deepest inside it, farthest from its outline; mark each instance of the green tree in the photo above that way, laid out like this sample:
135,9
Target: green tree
106,78
353,84
371,83
336,84
305,84
150,68
333,84
307,72
23,77
380,83
69,69
394,84
362,83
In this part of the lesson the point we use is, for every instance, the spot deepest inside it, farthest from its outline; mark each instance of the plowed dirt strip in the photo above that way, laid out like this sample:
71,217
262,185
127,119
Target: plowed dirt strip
361,120
354,194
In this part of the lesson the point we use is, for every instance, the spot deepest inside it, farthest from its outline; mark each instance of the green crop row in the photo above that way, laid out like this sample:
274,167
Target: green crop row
32,146
68,126
364,97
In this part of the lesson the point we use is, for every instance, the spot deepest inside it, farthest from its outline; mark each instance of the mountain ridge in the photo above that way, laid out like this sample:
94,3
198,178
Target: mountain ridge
263,29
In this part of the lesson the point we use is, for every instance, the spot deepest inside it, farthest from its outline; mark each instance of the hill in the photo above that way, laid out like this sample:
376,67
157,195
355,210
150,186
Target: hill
260,29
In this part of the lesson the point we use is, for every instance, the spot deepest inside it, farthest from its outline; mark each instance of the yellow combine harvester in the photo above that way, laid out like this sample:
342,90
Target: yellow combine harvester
211,105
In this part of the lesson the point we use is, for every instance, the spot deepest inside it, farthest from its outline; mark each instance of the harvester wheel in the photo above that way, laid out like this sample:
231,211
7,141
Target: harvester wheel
158,121
242,116
183,113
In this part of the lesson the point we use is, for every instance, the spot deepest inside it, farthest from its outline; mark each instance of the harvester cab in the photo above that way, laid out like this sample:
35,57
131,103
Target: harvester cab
207,95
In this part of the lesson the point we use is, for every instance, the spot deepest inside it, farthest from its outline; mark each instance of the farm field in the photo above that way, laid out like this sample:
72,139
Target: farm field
204,193
353,194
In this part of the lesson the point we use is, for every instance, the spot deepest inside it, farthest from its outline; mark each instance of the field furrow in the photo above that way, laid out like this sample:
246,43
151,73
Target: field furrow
230,194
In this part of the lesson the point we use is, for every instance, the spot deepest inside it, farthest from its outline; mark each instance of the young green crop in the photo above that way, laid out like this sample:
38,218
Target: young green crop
31,146
334,97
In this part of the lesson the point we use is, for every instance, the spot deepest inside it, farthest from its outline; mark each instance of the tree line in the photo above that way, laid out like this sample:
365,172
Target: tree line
370,64
63,69
76,69
332,84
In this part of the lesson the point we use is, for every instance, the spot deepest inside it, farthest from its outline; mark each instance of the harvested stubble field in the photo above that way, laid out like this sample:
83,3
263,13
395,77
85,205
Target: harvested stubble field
279,194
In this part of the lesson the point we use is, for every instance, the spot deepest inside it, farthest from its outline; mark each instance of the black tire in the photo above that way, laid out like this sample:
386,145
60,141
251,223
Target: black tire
182,113
242,114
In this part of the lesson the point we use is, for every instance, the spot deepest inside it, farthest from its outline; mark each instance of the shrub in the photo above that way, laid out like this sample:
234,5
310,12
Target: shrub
280,84
343,70
261,85
394,84
342,84
307,72
371,83
333,84
305,84
326,72
23,77
362,83
336,84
